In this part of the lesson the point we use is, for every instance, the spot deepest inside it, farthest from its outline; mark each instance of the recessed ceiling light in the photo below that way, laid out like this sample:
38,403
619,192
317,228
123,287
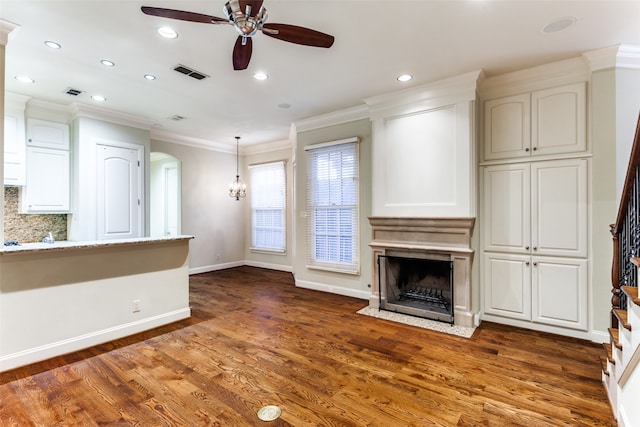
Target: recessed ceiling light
284,105
167,33
149,77
107,63
24,79
559,25
261,76
52,45
404,77
98,98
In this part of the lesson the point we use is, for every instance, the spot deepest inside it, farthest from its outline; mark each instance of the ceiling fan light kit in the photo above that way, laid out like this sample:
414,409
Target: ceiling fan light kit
248,17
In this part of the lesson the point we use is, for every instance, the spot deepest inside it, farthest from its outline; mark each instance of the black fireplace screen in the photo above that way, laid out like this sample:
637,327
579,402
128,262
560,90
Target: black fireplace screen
416,286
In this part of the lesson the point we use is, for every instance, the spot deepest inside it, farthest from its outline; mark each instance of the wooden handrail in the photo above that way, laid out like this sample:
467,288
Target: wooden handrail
626,232
627,190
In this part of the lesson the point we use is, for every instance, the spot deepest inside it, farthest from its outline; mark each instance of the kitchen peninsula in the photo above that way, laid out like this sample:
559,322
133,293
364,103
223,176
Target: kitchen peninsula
62,297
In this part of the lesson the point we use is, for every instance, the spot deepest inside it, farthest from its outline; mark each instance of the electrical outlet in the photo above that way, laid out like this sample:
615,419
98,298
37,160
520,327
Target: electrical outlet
135,306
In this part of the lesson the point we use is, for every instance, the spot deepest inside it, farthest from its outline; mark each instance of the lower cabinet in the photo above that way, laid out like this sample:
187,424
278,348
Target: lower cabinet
545,290
47,183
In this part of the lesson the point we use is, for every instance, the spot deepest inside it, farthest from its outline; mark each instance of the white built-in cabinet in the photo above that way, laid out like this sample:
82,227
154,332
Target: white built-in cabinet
544,122
534,185
535,241
47,186
14,141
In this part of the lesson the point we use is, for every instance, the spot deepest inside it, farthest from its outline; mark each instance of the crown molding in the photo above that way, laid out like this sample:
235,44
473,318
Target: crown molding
8,30
447,91
572,70
347,115
189,141
112,116
618,56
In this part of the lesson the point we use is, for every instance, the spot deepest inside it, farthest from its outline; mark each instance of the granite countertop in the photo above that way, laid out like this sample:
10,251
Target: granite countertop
66,244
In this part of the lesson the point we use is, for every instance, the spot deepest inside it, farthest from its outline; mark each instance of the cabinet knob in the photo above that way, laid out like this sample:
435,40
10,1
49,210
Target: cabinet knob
526,263
535,148
526,247
535,264
526,149
535,248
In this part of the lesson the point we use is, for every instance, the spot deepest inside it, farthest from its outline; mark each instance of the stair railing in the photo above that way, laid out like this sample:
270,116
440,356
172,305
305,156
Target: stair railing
626,232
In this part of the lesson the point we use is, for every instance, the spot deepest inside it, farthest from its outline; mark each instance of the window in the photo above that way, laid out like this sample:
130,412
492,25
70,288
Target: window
268,202
333,206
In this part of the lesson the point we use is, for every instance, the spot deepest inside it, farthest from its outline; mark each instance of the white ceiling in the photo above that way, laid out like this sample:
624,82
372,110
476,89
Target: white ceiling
375,40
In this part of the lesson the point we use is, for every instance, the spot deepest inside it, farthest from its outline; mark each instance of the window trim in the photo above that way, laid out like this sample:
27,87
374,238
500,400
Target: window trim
353,268
257,249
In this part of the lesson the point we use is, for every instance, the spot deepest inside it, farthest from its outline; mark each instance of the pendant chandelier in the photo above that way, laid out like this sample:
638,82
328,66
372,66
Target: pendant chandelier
237,188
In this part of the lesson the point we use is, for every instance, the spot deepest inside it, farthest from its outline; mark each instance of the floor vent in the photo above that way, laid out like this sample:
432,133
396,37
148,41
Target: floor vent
73,92
190,72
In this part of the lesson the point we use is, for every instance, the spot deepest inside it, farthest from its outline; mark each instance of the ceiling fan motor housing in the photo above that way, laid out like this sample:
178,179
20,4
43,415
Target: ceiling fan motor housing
245,24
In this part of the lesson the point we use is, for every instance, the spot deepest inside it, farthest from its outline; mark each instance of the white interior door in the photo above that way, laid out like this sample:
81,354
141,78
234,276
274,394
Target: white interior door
119,191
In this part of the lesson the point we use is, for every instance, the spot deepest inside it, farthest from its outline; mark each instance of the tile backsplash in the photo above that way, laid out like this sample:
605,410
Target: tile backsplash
26,228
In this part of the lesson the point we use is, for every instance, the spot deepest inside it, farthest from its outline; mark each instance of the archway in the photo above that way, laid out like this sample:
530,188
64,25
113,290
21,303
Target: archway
166,195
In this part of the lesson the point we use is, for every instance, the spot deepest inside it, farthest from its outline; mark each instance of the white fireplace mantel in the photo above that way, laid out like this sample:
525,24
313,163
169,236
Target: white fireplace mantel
428,238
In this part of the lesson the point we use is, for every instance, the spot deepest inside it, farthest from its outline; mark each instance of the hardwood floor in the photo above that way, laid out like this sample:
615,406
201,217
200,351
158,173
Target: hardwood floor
255,339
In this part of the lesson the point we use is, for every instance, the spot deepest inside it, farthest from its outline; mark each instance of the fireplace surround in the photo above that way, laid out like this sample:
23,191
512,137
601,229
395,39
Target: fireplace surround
436,239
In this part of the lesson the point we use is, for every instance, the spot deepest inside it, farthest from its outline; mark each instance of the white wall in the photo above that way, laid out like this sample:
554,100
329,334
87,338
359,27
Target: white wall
87,132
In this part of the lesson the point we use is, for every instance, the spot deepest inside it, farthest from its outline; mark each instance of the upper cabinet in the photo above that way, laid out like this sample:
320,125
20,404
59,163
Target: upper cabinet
544,122
46,134
47,186
14,141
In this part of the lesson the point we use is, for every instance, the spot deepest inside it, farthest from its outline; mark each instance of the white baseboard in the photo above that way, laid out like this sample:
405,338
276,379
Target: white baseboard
600,336
269,266
69,345
334,289
215,267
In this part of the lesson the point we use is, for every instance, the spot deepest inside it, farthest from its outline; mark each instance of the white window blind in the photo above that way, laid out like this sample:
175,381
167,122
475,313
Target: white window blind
268,203
333,232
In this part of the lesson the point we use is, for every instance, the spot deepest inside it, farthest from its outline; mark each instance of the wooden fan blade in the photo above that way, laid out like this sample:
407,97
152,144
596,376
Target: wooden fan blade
255,6
298,35
183,15
242,53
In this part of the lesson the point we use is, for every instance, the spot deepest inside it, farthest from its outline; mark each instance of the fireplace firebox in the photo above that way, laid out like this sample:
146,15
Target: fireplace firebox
421,287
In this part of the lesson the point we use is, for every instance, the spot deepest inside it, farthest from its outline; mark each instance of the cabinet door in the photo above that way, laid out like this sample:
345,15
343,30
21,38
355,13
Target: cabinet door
45,134
559,208
14,148
507,127
559,292
47,183
558,118
506,207
507,285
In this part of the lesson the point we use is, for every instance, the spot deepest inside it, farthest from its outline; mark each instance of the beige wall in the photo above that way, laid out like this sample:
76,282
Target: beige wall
208,213
603,195
347,284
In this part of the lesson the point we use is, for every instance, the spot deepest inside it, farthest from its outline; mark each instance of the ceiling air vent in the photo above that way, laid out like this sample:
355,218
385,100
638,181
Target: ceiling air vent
73,92
190,72
176,118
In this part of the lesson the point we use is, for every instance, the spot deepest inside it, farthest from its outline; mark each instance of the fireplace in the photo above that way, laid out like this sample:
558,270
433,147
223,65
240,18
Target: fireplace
422,267
420,287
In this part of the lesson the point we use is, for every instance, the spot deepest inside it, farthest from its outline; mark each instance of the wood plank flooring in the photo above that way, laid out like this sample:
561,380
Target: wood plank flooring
254,339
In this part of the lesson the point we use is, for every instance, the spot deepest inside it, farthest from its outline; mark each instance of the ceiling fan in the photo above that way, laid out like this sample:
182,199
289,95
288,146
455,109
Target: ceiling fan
248,17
